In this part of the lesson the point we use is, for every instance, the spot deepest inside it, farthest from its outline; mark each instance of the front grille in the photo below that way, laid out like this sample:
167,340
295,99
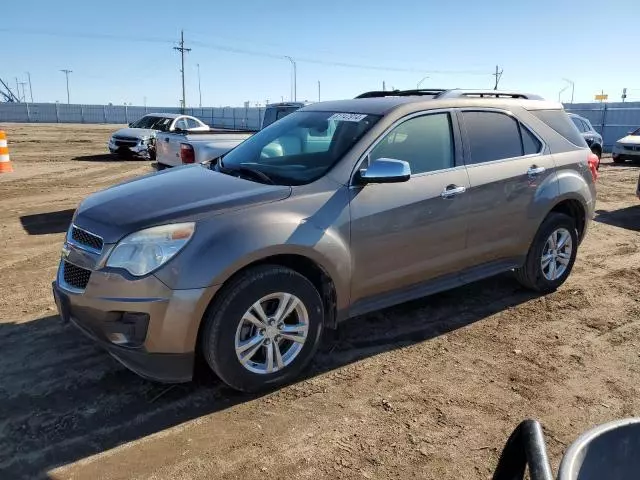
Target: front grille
86,239
75,276
125,141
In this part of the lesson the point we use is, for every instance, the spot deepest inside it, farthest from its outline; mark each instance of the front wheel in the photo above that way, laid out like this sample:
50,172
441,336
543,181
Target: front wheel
264,329
551,254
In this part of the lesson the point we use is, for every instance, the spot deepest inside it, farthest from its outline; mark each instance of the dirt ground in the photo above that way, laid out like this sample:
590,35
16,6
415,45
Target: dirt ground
430,389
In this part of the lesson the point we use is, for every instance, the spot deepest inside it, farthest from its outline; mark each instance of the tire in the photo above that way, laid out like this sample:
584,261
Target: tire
225,329
532,275
161,166
618,160
597,151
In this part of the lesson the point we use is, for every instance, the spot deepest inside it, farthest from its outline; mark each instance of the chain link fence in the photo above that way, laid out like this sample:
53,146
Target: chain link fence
228,117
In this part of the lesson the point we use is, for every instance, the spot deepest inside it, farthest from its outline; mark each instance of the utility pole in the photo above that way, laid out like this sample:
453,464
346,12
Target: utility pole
67,72
318,90
624,94
181,49
30,89
295,78
498,76
199,88
384,86
18,90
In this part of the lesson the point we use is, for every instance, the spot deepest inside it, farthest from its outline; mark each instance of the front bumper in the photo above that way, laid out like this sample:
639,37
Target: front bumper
148,327
142,150
619,151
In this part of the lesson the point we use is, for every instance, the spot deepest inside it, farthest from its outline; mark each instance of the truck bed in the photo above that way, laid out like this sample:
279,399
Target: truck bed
206,144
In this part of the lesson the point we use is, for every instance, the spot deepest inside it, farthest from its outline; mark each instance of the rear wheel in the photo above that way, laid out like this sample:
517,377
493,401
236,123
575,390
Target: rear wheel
597,151
264,329
618,159
551,254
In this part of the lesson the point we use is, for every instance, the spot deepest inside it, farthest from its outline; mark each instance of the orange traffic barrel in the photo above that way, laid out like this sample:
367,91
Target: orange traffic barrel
5,161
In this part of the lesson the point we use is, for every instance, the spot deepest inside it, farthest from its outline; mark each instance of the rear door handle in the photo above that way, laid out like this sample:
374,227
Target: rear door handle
533,171
452,191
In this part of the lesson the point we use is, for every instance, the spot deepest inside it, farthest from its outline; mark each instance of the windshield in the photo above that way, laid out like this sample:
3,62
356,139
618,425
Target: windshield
635,132
301,147
153,122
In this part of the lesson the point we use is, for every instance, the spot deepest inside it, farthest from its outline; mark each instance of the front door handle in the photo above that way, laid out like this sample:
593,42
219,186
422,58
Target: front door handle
534,170
452,191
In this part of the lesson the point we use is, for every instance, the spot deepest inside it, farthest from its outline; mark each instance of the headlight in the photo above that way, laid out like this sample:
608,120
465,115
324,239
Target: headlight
144,251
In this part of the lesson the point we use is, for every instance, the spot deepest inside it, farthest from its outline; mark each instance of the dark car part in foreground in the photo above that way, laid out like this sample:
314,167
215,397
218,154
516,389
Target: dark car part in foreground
338,209
608,451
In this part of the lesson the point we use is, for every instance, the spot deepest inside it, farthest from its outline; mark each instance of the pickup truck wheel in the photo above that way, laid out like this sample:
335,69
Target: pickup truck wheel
264,329
551,255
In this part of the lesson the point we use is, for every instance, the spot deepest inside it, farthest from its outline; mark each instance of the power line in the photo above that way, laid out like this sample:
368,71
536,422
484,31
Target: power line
245,51
182,49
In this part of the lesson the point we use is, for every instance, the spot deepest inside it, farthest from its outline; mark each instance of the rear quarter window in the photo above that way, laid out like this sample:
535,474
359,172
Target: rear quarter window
559,121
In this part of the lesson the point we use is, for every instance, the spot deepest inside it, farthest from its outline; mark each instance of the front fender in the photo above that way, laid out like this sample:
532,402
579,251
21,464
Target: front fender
228,243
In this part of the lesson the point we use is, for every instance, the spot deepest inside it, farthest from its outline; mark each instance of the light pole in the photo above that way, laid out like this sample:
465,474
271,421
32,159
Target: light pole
573,85
199,89
318,90
67,72
560,93
30,89
420,82
295,78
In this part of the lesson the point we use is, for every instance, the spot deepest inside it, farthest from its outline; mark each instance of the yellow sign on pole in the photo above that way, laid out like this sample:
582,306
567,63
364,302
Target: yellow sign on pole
602,97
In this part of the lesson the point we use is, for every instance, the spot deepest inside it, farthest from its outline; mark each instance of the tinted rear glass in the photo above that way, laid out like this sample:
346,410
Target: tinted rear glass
561,123
530,143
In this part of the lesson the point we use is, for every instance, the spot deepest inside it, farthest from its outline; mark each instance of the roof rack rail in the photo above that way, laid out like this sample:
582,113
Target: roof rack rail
459,93
402,93
451,93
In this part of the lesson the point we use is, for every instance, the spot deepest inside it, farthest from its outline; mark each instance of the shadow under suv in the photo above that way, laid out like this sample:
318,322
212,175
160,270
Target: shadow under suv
336,210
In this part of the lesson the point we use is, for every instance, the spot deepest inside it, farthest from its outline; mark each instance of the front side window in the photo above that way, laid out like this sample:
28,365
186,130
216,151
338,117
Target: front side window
425,142
300,147
492,136
181,124
578,123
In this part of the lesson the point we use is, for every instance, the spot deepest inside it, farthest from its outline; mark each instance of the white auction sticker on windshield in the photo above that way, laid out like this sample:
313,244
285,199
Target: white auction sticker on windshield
347,117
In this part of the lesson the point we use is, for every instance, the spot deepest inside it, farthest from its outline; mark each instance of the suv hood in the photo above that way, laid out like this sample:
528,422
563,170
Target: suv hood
630,140
135,132
169,196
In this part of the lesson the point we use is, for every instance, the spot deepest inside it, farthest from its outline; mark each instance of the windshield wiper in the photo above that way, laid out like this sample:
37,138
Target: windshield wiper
247,171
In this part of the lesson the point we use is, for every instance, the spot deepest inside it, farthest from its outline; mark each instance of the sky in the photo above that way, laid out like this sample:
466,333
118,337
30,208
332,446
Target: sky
122,51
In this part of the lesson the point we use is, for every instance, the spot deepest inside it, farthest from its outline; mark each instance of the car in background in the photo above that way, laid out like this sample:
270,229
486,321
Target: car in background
182,148
593,138
138,139
627,148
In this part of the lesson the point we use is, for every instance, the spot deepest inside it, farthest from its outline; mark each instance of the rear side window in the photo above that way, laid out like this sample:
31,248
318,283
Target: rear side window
492,136
560,122
530,142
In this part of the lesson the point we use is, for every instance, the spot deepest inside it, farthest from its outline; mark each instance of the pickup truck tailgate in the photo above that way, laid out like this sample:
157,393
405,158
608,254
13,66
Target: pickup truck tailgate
206,145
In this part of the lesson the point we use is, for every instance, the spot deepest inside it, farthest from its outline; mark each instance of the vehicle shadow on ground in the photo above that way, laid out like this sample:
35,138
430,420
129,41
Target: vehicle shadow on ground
628,217
46,223
102,157
64,399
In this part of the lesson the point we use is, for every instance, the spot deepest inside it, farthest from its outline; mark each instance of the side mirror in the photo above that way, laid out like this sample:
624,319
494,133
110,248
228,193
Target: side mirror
386,170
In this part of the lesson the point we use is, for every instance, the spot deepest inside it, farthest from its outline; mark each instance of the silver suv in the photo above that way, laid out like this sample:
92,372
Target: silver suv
336,210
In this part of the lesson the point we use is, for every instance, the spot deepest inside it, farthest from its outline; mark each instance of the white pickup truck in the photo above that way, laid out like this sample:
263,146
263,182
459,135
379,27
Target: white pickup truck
180,148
